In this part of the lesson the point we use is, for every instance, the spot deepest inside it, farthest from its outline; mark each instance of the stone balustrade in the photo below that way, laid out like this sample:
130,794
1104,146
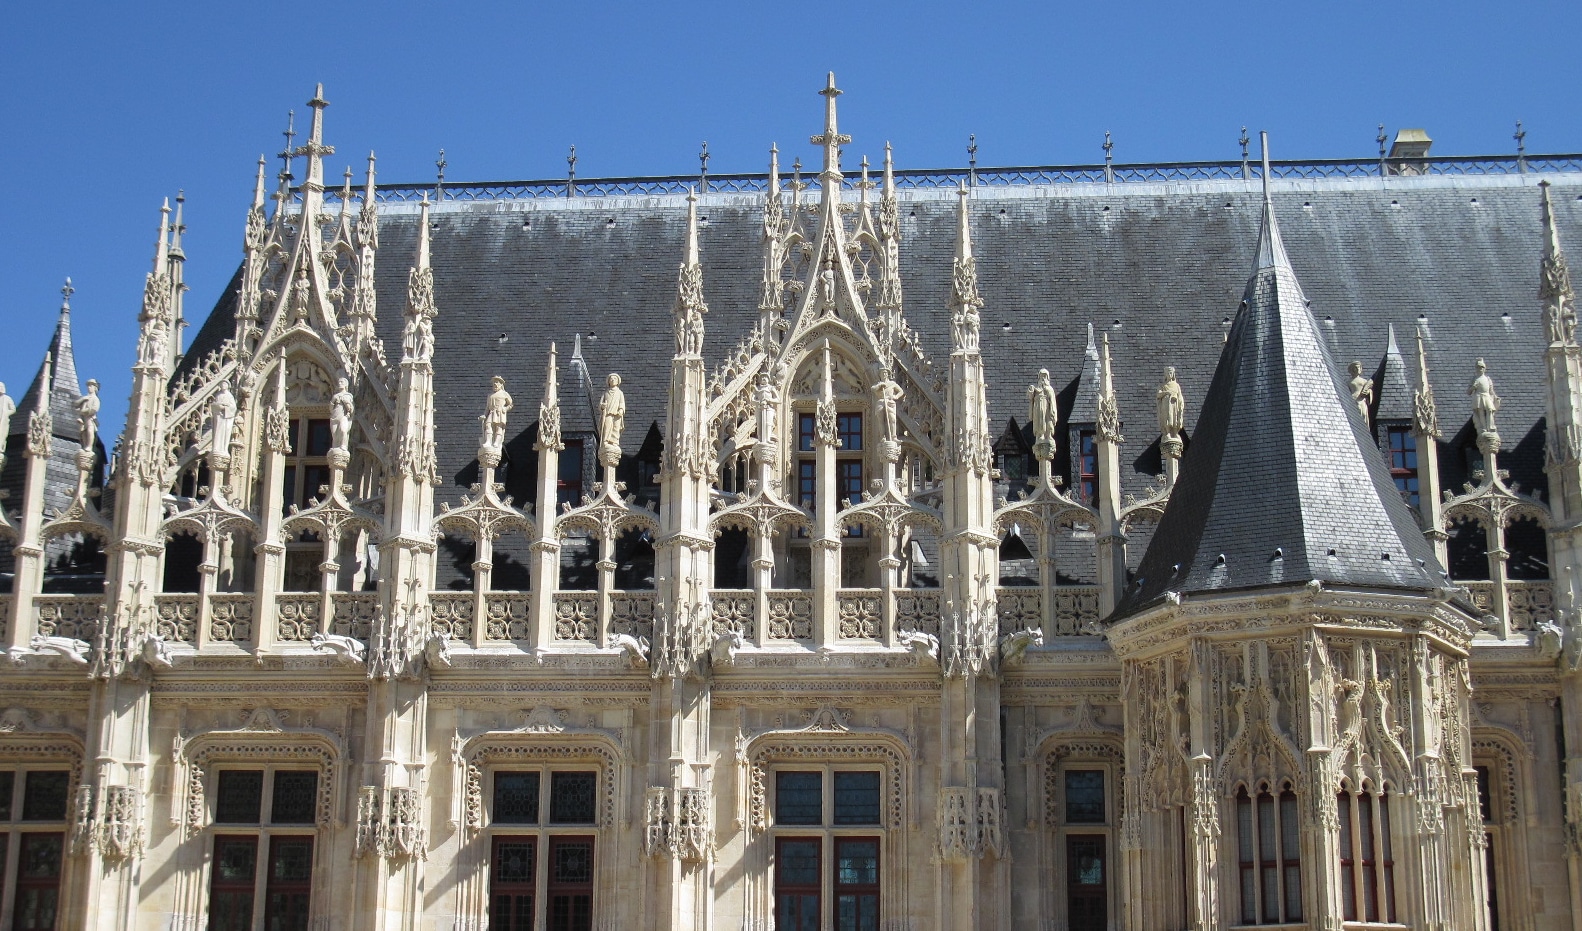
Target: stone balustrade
73,616
176,616
861,613
231,617
1527,602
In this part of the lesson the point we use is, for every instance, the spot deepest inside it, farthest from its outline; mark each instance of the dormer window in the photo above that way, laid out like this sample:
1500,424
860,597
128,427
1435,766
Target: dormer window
1087,463
1403,462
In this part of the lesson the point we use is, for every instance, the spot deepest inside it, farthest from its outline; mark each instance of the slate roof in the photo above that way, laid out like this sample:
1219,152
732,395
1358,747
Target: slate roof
1158,267
1284,483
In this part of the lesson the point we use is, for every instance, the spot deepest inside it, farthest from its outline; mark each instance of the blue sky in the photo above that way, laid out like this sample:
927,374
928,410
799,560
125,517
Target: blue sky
110,106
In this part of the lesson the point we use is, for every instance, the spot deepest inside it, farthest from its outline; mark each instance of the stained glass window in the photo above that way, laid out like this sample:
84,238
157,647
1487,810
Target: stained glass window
239,797
856,798
799,798
44,795
296,797
570,883
572,798
856,884
797,883
231,883
516,798
512,882
1084,796
289,890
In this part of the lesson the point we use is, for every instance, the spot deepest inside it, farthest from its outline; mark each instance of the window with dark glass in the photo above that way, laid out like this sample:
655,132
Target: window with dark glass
568,481
306,468
826,870
1013,468
32,825
797,883
263,869
1269,857
856,797
799,798
807,483
1087,882
1367,868
805,430
1403,462
1087,465
857,884
513,880
570,883
848,487
849,428
541,876
515,798
1084,796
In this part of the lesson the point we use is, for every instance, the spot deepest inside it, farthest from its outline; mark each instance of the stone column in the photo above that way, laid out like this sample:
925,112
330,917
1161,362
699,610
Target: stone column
825,545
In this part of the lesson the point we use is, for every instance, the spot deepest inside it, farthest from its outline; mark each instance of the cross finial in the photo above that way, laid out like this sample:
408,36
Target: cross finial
290,134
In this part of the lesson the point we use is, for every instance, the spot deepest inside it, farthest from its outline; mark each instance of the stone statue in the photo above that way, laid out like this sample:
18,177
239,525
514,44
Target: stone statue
1361,390
88,416
7,409
494,416
886,393
1042,413
417,341
766,398
222,420
612,420
1171,406
154,340
341,417
1484,401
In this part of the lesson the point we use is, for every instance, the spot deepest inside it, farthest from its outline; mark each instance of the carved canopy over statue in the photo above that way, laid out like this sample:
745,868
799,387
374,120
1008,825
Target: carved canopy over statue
1043,414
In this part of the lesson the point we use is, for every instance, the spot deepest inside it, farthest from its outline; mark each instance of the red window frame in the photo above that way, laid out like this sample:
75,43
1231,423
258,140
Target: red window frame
288,899
231,900
511,901
799,896
43,888
861,895
570,900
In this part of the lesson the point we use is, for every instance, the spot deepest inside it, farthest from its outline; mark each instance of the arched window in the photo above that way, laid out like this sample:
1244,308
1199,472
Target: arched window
1269,851
1367,867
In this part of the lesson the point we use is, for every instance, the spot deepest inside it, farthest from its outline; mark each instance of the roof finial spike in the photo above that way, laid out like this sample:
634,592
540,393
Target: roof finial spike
1390,347
314,148
774,170
889,170
289,151
831,139
162,245
1093,347
1271,250
178,227
551,385
66,291
368,187
691,258
258,185
421,260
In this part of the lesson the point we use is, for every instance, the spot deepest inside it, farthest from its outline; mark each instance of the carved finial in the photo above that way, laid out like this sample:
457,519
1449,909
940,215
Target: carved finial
178,227
289,151
690,306
162,244
1109,158
314,148
1521,147
66,291
1554,278
889,171
703,167
571,172
1271,249
972,159
964,281
1244,141
1381,139
549,409
1108,423
1425,419
831,139
417,338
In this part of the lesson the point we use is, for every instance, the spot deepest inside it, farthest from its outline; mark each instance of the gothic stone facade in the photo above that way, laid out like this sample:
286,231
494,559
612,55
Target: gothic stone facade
778,626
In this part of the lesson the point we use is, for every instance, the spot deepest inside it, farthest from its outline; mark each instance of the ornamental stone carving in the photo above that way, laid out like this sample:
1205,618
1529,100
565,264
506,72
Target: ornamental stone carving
1043,413
612,421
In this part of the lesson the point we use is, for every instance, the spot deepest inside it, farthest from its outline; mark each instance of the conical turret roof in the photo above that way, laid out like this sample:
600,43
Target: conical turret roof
64,389
1283,483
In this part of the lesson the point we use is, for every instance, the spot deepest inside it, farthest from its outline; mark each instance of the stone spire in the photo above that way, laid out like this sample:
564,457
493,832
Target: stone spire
366,240
1554,279
178,287
1326,510
831,139
690,306
549,416
55,386
964,297
1396,397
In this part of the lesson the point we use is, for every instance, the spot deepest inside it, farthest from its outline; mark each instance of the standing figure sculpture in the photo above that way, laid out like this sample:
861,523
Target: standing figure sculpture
886,393
766,399
1042,413
1361,390
494,417
612,420
1485,403
417,342
341,417
88,416
1171,407
222,420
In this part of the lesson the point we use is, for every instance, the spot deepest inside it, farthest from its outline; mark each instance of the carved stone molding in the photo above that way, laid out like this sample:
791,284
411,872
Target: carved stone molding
542,738
262,738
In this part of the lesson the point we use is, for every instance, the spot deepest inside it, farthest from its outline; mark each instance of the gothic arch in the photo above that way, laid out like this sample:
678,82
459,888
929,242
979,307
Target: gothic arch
262,739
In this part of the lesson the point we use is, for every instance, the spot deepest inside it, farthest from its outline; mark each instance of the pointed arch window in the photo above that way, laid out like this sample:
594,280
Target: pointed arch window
1269,850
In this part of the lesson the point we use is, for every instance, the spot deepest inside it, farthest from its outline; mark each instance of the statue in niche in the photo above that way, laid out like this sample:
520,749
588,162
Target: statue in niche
612,420
766,398
1042,413
154,341
495,412
7,409
1361,390
1171,406
88,416
886,393
222,420
1485,403
827,284
417,341
341,403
